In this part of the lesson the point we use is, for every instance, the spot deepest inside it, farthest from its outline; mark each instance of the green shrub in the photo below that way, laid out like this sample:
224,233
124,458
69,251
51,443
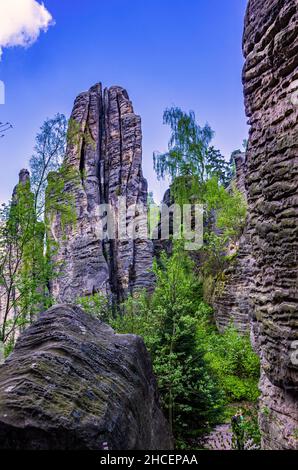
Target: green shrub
97,305
168,321
199,370
233,359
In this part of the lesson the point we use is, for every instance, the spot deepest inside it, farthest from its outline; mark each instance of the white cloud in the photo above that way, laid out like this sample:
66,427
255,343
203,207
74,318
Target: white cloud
21,22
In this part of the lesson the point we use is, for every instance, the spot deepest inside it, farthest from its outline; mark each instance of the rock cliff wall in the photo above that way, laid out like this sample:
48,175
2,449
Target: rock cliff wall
106,151
270,79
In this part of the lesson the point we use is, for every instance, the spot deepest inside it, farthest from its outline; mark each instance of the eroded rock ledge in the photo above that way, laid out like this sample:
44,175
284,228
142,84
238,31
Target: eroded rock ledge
72,383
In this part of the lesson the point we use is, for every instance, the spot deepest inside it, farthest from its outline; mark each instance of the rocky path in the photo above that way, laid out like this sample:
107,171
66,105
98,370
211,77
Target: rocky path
219,439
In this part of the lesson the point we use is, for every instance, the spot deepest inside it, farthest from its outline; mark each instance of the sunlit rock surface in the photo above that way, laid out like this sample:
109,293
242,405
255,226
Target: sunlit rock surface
105,149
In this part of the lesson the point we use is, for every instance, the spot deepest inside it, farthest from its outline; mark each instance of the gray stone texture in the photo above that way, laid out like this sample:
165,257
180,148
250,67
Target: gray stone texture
73,384
107,153
270,47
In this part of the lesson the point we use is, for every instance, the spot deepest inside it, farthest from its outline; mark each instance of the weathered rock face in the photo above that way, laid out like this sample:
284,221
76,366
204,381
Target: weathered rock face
107,153
231,292
231,298
277,416
270,74
161,244
72,383
240,178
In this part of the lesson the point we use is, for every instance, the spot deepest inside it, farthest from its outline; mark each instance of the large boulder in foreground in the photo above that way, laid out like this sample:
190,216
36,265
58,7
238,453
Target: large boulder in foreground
72,383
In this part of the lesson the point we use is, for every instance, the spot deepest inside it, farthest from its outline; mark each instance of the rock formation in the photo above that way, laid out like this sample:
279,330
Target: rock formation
106,152
160,243
72,383
270,79
231,297
230,294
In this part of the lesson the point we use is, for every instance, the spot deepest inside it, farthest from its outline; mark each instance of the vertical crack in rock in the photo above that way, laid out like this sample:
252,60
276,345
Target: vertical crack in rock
108,155
270,78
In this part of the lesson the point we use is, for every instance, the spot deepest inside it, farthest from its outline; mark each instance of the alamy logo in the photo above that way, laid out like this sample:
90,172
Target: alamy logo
2,92
131,222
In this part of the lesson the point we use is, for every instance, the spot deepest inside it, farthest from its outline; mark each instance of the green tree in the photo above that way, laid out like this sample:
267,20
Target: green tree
97,305
225,215
168,322
25,268
232,358
49,152
216,166
190,159
21,261
200,372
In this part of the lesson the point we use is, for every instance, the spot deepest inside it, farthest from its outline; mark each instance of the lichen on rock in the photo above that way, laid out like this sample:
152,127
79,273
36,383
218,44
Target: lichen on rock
72,383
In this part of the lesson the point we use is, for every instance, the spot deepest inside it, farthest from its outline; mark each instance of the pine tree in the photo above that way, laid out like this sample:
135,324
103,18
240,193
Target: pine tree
189,389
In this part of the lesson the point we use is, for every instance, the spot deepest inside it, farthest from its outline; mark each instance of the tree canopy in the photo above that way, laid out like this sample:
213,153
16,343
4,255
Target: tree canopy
190,153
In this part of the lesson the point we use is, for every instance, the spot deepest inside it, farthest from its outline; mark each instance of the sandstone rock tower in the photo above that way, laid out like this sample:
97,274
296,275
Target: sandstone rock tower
107,154
270,78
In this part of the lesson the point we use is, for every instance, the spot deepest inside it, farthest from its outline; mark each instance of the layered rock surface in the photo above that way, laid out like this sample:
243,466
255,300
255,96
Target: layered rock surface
72,383
231,297
270,80
107,154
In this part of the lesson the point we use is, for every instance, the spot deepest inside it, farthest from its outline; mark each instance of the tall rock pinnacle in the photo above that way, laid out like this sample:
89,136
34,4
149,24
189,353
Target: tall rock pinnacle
107,153
270,79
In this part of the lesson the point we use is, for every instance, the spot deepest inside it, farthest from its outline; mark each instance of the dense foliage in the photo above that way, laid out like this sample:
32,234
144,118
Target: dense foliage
199,371
225,215
4,127
168,322
22,268
25,267
190,154
199,174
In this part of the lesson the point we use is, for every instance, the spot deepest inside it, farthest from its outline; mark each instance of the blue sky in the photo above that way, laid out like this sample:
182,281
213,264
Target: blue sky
164,52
